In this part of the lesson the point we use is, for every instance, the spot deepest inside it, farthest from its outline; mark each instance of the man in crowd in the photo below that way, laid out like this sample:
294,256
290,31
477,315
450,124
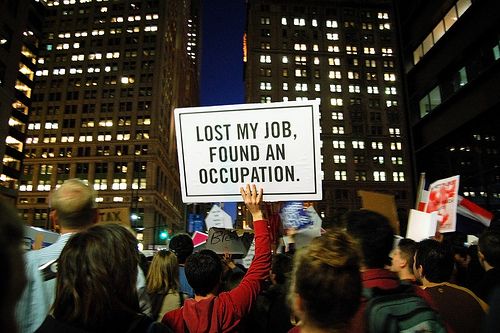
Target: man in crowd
458,306
489,258
402,260
182,246
210,311
73,209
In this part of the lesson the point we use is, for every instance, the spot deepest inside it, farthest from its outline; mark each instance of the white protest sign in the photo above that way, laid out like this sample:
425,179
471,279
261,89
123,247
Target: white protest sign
421,225
217,218
273,145
443,199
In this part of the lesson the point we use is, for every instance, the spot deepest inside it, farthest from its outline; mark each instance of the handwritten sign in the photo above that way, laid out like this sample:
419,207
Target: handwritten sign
115,215
226,241
274,145
443,199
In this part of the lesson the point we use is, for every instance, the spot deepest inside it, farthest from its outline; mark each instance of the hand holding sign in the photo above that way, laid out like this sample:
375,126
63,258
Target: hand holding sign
252,200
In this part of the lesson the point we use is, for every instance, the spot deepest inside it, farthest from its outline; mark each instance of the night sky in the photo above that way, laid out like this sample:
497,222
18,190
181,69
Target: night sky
223,23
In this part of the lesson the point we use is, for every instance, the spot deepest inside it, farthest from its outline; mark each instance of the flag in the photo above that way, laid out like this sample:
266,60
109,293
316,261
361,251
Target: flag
474,212
468,213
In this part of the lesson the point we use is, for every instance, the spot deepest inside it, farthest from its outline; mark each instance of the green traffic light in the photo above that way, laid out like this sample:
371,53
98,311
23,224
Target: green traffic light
163,235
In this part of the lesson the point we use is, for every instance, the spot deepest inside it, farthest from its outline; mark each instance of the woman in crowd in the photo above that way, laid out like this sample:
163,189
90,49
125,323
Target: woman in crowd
326,284
163,284
96,285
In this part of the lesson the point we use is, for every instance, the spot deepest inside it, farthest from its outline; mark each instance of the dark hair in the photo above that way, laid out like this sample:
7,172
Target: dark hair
436,260
326,277
489,245
281,266
374,234
407,248
204,271
182,246
12,276
96,278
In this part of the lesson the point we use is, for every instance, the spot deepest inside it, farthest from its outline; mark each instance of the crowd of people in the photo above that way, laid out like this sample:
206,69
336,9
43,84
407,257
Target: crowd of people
356,277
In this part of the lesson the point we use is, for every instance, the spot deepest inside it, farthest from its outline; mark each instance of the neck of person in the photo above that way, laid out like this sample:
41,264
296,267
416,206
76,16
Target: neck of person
198,298
406,275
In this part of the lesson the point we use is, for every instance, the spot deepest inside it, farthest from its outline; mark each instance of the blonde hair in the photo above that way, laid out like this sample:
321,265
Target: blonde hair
163,274
326,277
74,202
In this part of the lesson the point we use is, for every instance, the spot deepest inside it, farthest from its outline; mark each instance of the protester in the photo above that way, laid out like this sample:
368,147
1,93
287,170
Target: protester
489,257
182,246
96,285
73,209
326,284
375,237
402,260
210,311
12,277
163,284
271,312
458,306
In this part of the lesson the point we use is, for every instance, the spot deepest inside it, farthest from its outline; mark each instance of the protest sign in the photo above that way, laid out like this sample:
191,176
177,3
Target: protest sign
443,199
421,225
37,238
115,215
383,204
199,238
227,241
294,216
273,145
218,218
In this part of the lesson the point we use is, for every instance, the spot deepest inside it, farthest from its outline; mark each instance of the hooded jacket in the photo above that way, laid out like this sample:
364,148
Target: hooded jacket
223,313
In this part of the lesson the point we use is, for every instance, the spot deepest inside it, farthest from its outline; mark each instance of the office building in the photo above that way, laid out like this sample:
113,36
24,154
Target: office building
20,34
108,78
451,52
346,54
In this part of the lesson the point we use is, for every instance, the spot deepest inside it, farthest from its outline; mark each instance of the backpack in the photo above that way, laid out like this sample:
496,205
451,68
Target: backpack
399,310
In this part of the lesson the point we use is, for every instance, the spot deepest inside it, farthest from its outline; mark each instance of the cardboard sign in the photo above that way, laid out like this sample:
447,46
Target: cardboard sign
37,238
383,204
226,241
217,218
421,225
304,236
443,199
115,215
294,216
273,145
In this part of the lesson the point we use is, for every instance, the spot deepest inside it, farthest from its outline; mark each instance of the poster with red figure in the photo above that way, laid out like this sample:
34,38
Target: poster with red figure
443,199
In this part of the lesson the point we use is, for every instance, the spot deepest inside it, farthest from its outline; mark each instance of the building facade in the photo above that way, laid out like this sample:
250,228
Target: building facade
344,53
451,52
109,76
20,34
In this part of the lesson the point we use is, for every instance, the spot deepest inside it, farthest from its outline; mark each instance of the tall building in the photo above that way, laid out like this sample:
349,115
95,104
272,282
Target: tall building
20,33
109,76
451,53
345,54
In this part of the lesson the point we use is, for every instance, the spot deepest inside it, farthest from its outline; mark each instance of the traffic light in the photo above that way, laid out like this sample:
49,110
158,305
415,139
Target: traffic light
163,235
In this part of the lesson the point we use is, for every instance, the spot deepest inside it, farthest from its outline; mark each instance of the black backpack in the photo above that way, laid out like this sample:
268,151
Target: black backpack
399,310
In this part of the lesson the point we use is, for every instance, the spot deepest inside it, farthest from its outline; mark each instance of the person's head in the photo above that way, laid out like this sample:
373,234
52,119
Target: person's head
204,272
182,246
402,256
73,205
281,267
489,248
325,291
163,274
96,278
433,261
12,277
374,234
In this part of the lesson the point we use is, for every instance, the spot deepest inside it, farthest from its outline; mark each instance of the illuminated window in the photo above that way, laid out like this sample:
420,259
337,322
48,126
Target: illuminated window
339,159
266,59
333,48
398,176
377,145
379,176
390,91
332,36
394,132
265,86
338,130
351,49
340,175
299,22
353,75
369,50
389,77
338,144
396,160
301,87
378,159
334,61
354,89
358,144
285,85
335,88
336,101
335,75
395,145
331,24
337,116
372,89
